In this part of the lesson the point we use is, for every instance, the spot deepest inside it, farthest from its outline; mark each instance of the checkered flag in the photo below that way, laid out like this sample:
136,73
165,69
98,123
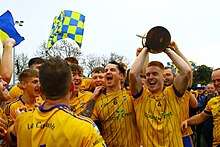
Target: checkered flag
69,24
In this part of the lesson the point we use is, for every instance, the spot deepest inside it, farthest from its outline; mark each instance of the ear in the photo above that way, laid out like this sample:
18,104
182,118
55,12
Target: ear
22,85
122,76
72,86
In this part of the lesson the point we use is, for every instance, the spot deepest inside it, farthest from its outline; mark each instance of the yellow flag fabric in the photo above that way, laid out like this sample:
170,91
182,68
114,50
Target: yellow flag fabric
68,24
7,29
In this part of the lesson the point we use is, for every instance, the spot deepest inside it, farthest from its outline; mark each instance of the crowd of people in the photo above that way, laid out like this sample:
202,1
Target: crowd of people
54,105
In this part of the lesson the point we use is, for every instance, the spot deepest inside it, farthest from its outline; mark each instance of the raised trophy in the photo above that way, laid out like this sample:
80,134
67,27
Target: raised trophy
157,39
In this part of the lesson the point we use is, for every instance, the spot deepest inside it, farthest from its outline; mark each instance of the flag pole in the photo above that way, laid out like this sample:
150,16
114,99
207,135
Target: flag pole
14,66
20,24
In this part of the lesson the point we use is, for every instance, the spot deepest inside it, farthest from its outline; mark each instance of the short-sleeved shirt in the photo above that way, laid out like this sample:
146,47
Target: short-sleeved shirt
15,92
213,108
158,118
86,84
55,127
184,111
14,105
116,113
79,103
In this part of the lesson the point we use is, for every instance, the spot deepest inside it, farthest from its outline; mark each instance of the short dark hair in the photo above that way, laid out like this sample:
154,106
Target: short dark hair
172,70
27,73
36,60
119,66
72,60
76,68
55,78
98,70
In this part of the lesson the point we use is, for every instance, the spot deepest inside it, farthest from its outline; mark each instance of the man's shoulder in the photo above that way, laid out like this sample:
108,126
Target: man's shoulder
215,99
15,103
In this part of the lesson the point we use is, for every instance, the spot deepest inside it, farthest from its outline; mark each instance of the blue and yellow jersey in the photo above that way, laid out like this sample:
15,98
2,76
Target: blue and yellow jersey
11,108
86,84
116,113
80,101
213,109
158,118
15,92
184,112
56,126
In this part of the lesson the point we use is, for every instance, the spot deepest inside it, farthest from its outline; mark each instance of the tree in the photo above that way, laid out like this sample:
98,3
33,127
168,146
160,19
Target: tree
63,48
91,61
202,75
68,48
21,63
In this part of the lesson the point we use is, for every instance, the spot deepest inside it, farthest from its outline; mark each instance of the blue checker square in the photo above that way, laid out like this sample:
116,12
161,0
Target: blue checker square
60,36
65,28
82,18
79,31
73,22
68,13
71,36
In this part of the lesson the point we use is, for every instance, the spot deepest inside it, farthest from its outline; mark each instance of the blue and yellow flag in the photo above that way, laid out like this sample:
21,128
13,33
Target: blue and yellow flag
172,65
69,24
7,29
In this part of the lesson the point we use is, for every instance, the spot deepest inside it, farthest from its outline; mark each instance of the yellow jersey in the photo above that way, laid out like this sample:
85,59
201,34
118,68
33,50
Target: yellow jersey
213,109
79,103
15,92
11,108
86,84
116,113
184,111
55,127
158,118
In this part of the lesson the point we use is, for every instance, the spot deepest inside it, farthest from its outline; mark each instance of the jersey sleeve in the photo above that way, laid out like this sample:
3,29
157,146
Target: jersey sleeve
95,138
208,107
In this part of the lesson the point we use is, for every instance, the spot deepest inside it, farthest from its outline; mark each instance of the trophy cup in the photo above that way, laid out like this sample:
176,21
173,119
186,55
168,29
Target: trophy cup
156,40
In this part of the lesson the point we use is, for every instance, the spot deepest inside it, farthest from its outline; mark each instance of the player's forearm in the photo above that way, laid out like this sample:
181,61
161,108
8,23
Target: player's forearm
181,82
186,60
197,119
178,61
135,70
193,103
6,62
141,59
89,108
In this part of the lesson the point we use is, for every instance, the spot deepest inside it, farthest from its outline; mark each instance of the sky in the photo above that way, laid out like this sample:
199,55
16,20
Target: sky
112,25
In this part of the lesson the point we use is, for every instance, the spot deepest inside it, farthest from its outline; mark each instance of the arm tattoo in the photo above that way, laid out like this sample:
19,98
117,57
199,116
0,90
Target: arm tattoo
89,108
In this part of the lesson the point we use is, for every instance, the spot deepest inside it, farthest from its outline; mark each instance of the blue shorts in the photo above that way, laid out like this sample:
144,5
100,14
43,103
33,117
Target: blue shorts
187,141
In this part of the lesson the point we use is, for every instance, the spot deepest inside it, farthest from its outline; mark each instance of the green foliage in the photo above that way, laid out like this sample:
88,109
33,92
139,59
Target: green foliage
202,75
